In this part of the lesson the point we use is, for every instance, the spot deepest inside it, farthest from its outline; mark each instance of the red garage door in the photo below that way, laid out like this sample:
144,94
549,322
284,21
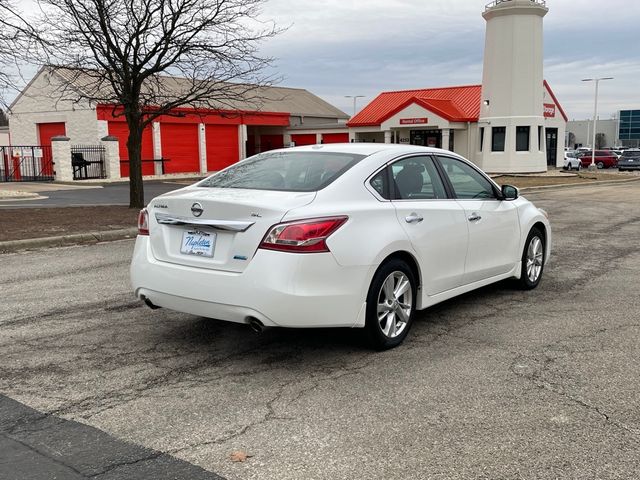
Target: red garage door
304,139
48,130
335,138
120,130
271,142
222,146
180,147
45,132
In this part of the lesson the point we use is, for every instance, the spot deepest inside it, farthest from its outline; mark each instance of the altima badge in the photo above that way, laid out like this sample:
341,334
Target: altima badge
196,209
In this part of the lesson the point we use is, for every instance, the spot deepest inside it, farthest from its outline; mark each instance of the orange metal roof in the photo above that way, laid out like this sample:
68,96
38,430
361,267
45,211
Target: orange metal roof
456,104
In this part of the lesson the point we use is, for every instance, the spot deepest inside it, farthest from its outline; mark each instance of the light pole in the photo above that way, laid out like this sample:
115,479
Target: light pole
595,119
355,97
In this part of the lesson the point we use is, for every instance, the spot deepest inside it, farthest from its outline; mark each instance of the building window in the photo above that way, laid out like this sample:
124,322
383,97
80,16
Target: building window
522,139
539,138
481,137
497,138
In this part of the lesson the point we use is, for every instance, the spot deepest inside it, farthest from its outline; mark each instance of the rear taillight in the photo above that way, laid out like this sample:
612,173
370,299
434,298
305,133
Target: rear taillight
303,236
143,222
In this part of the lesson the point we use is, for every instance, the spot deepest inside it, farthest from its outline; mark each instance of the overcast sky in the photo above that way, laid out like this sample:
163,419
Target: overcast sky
363,47
335,48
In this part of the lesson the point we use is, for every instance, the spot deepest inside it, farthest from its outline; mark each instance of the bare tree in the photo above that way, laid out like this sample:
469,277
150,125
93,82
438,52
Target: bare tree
147,58
601,140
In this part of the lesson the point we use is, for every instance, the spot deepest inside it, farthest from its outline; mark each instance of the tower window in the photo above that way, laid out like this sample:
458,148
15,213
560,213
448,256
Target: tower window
497,138
539,138
522,139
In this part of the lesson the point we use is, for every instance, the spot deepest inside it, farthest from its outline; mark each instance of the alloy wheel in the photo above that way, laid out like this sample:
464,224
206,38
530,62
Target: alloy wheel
395,301
534,259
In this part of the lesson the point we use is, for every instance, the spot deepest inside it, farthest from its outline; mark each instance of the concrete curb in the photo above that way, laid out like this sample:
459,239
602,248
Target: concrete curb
66,240
560,186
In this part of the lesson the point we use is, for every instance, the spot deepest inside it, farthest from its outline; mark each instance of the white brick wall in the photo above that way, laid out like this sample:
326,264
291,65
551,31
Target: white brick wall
40,103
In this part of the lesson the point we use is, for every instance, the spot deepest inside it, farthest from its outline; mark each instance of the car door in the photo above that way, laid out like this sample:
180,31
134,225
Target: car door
434,223
493,224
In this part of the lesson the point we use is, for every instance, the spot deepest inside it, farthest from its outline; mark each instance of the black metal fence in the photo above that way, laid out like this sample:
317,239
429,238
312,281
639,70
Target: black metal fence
20,163
88,161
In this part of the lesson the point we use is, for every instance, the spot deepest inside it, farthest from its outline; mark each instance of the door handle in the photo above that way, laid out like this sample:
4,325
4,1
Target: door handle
414,218
474,217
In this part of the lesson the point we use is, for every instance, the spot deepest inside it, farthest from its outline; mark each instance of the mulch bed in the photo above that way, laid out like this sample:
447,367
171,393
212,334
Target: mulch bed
22,223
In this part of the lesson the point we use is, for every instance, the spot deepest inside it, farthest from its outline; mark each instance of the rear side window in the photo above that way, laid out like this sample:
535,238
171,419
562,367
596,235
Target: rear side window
285,171
416,178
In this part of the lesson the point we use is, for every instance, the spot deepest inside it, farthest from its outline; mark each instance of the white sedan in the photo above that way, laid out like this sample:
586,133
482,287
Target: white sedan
342,235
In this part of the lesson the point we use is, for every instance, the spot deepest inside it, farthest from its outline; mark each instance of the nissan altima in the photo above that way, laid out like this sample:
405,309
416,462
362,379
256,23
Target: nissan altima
341,235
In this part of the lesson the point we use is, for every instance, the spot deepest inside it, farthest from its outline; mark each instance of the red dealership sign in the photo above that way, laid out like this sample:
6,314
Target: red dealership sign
413,121
549,110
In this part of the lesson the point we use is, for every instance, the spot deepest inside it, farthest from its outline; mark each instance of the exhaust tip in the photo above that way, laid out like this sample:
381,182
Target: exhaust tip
256,325
149,303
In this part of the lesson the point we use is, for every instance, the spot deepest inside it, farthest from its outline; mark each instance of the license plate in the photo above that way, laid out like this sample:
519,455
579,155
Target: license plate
196,242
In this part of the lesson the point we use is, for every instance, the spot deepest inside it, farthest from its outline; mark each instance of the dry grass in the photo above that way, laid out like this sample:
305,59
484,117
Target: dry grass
541,181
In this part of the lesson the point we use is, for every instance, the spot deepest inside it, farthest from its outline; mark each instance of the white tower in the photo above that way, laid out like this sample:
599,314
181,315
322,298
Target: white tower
511,109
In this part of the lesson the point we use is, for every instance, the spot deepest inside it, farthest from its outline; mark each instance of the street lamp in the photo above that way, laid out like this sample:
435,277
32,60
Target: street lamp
354,101
595,119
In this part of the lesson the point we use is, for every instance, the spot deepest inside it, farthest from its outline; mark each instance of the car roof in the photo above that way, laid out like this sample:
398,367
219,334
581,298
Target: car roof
363,148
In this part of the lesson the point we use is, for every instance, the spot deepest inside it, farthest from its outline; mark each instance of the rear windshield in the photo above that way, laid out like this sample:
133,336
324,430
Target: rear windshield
631,153
286,171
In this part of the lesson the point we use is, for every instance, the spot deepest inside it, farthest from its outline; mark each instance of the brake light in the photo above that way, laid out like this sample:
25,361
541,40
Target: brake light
303,236
143,222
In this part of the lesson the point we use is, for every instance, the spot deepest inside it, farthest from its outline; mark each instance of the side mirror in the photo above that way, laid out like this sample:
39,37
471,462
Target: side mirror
509,192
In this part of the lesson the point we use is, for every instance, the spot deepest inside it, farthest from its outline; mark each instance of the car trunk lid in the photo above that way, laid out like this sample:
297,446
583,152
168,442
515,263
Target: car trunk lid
226,225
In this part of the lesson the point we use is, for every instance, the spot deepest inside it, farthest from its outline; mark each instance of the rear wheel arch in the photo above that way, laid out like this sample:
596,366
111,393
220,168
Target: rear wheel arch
410,260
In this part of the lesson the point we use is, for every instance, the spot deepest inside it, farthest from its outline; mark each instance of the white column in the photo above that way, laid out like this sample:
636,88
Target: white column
287,139
445,138
242,142
318,138
111,157
103,128
157,147
61,153
387,136
352,136
202,148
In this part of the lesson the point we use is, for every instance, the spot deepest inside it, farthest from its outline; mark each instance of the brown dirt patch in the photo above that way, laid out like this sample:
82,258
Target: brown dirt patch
585,178
22,223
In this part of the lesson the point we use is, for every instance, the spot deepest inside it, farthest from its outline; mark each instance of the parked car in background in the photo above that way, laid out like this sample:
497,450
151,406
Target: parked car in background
630,160
354,235
571,161
603,159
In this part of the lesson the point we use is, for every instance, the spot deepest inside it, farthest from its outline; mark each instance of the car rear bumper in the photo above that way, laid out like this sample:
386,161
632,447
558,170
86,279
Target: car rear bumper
279,289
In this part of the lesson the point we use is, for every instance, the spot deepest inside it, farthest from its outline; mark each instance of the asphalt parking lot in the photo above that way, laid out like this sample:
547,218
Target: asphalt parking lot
497,384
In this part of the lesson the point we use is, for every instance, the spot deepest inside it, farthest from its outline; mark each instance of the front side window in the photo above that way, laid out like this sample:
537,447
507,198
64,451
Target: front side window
416,178
466,181
285,171
522,139
497,138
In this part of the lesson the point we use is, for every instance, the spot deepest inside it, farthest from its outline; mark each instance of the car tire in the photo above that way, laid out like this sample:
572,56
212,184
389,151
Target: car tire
389,313
533,256
600,165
